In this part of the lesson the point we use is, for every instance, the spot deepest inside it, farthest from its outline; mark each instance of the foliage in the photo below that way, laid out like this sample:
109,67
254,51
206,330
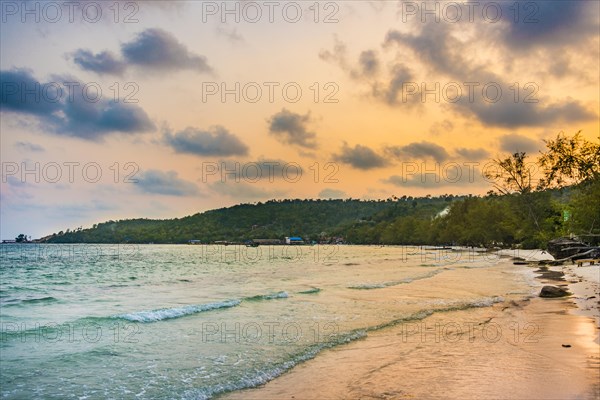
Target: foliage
570,161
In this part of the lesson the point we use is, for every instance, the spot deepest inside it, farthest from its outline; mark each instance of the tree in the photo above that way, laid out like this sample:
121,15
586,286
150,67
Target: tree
21,238
512,175
575,161
570,161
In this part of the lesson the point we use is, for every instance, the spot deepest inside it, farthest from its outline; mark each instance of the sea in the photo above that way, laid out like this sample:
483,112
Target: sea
196,321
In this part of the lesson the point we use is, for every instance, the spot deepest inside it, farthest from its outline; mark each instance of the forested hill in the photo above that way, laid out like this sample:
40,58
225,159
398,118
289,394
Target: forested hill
313,219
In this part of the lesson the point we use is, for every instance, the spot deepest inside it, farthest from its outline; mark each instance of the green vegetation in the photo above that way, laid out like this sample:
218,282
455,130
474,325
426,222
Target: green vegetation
521,211
314,219
21,238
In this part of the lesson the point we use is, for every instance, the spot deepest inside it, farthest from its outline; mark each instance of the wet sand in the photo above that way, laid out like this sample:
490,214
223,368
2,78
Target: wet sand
531,349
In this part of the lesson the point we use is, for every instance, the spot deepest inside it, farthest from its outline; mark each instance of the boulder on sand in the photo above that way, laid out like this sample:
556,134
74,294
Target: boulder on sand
553,291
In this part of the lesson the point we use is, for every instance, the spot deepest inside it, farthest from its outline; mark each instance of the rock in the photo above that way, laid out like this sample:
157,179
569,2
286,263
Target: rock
553,291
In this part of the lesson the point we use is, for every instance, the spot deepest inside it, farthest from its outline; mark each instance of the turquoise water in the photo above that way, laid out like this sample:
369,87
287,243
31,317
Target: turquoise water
192,322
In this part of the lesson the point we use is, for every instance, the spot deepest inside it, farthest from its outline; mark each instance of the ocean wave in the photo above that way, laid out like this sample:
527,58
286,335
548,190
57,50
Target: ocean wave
29,301
260,377
270,296
47,299
381,285
176,312
310,291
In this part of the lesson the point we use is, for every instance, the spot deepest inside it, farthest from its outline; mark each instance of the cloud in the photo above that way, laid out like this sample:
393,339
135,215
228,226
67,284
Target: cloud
102,63
399,76
438,48
152,49
164,183
29,147
14,98
360,157
158,49
507,113
368,62
70,112
423,149
472,154
242,191
216,141
367,66
337,56
92,121
291,128
514,143
435,45
332,194
548,23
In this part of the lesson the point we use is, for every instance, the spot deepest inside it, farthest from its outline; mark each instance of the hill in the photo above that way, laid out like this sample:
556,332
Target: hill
314,219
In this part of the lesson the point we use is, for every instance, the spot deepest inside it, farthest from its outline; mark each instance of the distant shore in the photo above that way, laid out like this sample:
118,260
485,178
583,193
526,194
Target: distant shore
558,358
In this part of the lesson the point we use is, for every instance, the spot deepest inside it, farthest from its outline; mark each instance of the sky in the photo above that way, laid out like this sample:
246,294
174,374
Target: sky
115,110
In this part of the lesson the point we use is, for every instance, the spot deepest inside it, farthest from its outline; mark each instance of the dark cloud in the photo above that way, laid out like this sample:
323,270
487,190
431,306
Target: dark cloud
389,93
291,128
507,113
151,49
158,49
472,154
217,141
165,183
332,194
14,87
548,23
515,143
29,147
360,157
368,62
437,47
101,63
86,119
71,113
419,150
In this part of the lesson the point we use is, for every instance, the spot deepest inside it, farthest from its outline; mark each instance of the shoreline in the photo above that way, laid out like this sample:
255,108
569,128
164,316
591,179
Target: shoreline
548,349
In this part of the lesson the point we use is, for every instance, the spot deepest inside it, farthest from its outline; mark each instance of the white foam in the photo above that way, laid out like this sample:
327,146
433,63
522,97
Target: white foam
169,313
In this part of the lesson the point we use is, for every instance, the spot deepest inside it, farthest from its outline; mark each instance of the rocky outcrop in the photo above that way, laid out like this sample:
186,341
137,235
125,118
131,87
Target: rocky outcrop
553,291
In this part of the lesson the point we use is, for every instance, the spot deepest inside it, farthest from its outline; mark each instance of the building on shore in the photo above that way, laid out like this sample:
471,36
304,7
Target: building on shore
293,240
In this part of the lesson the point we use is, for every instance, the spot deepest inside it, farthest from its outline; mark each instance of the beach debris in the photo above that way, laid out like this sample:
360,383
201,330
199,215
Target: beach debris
566,345
571,248
553,291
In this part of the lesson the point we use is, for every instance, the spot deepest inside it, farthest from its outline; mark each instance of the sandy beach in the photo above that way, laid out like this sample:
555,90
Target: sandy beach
537,348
